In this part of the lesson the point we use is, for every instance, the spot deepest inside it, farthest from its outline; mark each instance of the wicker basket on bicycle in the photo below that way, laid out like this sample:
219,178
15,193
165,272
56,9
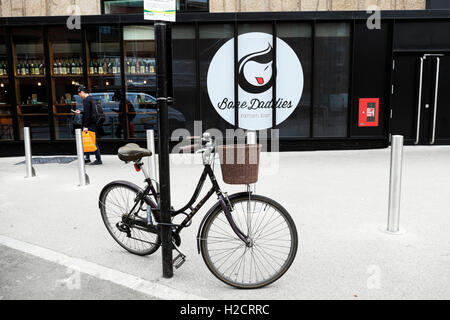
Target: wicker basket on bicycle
239,163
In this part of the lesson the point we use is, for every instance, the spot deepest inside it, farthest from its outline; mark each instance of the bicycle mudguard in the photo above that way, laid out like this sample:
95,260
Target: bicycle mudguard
211,211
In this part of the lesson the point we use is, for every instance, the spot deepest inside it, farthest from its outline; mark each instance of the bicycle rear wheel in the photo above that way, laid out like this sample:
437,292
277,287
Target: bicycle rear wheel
116,201
273,245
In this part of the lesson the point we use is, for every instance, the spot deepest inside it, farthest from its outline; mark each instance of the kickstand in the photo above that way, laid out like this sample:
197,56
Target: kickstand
180,258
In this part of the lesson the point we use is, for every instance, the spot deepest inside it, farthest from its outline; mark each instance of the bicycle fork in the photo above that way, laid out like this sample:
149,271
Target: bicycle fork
237,231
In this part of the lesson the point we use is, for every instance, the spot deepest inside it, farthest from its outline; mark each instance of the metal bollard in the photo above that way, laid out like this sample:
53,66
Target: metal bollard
393,224
82,175
251,137
152,160
28,156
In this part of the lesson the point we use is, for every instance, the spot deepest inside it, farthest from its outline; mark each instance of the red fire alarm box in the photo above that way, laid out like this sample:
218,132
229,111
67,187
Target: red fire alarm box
368,112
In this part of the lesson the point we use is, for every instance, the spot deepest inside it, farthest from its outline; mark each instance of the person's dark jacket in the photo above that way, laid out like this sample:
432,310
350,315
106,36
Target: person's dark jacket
88,109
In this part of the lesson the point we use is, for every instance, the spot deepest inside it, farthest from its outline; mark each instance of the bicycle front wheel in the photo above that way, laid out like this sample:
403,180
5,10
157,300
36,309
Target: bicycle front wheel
270,253
116,201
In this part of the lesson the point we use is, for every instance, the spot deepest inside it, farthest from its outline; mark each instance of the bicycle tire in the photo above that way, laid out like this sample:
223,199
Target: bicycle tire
153,244
207,242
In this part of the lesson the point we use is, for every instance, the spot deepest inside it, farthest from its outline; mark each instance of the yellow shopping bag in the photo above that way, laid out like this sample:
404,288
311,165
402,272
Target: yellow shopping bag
89,141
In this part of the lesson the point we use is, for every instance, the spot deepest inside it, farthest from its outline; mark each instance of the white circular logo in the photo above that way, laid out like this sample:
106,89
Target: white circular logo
256,77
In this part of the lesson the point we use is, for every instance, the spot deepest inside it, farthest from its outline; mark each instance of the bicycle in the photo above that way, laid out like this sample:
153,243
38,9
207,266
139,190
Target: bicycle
246,240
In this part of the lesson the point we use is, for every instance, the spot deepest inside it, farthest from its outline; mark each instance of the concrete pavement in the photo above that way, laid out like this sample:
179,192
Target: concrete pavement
338,200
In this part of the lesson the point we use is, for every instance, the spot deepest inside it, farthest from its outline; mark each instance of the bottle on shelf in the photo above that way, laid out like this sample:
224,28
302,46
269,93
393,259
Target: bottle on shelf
55,67
37,71
41,68
128,65
95,66
133,66
18,68
60,68
80,66
91,67
100,66
72,66
3,68
105,66
138,66
114,66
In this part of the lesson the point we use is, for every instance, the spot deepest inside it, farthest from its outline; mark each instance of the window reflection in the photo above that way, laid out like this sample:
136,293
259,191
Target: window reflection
140,82
103,60
331,79
30,81
66,75
6,129
298,37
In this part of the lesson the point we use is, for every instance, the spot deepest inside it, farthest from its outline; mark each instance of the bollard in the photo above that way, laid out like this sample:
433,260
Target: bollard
251,137
83,177
151,164
393,224
28,156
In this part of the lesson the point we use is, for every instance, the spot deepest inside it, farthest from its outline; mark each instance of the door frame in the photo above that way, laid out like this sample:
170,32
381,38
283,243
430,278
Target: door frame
422,55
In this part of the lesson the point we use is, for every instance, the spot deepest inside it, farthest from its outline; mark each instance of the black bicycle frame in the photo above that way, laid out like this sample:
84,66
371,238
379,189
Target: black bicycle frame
207,171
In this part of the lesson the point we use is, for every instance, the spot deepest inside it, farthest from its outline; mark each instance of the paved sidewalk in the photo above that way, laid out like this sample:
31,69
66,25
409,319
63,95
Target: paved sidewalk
338,200
24,276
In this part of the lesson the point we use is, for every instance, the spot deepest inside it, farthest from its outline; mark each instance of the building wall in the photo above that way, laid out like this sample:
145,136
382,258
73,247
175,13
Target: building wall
312,5
15,8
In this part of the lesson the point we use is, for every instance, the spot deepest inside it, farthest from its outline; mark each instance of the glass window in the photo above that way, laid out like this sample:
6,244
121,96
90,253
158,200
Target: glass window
104,81
6,130
140,80
298,37
212,37
331,79
182,112
136,6
30,83
66,75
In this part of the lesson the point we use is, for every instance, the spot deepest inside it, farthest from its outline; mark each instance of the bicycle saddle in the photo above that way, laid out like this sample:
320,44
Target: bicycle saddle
132,152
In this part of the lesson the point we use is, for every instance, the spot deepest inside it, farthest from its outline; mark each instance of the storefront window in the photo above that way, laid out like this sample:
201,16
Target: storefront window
136,6
331,79
212,37
6,130
298,37
66,75
104,81
30,83
140,81
182,112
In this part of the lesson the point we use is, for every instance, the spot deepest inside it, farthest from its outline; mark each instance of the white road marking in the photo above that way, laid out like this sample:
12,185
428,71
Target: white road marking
124,279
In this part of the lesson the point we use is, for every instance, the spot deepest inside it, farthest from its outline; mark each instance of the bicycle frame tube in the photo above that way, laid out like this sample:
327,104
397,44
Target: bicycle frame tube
215,189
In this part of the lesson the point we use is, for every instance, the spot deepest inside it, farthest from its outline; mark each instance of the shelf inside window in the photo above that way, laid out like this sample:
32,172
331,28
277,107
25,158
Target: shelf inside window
29,76
67,75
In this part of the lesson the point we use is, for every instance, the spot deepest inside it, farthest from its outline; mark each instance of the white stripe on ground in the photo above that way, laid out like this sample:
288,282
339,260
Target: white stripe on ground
124,279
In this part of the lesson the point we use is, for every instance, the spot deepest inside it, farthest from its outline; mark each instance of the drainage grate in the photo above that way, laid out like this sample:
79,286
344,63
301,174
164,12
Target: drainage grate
41,160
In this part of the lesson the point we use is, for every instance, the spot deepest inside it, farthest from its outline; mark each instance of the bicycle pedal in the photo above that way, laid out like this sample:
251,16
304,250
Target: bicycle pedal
179,260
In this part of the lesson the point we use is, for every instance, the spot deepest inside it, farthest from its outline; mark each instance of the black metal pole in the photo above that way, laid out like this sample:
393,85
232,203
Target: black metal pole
161,30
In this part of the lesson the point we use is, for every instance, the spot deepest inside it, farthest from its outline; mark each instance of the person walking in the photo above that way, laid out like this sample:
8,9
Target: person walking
88,122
